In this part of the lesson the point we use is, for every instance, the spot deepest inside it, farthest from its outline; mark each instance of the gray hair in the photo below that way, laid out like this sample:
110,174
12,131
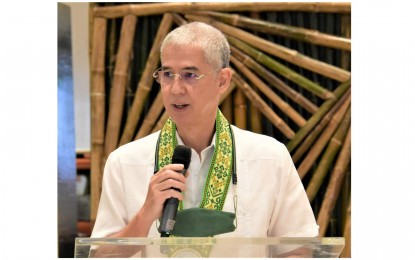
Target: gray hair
212,42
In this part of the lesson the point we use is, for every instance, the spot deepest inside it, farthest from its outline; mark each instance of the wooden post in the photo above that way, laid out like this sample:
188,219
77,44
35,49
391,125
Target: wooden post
97,110
321,143
161,8
122,65
239,102
334,186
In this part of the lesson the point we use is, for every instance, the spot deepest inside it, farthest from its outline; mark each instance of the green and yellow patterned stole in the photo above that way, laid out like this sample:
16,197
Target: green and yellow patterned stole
221,166
221,169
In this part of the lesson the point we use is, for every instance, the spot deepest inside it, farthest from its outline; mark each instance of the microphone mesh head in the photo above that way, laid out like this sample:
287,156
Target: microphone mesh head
182,154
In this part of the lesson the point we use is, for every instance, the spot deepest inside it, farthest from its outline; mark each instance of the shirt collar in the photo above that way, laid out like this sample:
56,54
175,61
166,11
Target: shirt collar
212,142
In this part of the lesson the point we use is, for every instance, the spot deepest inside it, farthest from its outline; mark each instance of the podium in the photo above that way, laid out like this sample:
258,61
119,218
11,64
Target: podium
195,247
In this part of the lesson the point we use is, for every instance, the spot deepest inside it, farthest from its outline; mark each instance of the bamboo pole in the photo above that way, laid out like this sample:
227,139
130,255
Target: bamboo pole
97,110
91,20
151,117
162,120
177,19
309,140
240,109
255,114
334,186
311,123
347,251
146,81
281,69
281,104
226,104
346,31
292,32
273,80
119,84
262,106
227,111
344,196
256,117
112,50
328,157
277,50
161,8
321,143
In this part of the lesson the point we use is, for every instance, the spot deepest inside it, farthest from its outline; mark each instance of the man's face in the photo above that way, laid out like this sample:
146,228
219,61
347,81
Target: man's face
196,104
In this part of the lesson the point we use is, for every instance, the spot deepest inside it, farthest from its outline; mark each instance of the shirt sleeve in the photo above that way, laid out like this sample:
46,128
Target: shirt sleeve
112,213
292,215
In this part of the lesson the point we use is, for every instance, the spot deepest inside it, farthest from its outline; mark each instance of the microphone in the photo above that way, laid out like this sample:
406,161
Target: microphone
181,155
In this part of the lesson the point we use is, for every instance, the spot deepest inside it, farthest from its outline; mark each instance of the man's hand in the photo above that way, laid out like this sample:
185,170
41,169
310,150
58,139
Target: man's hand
160,189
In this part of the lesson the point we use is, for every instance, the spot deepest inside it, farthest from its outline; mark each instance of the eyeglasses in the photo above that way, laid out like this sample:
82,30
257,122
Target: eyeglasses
166,77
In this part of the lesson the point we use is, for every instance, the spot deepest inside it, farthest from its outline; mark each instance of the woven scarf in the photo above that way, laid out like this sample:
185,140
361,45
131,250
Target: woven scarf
220,170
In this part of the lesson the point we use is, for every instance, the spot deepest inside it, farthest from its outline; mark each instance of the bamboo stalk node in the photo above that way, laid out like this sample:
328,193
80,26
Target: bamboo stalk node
121,73
98,70
97,141
97,94
336,141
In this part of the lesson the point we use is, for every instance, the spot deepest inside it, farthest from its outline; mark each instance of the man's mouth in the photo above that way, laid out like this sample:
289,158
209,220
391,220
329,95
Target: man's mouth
180,105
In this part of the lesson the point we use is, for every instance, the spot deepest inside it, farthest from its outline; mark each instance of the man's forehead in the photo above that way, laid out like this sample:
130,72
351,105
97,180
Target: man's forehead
183,57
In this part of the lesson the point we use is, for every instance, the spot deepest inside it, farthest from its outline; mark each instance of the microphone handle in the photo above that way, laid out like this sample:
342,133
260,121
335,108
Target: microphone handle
169,213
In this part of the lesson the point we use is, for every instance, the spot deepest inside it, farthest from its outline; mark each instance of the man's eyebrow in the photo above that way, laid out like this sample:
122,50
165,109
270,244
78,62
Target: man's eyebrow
185,68
190,68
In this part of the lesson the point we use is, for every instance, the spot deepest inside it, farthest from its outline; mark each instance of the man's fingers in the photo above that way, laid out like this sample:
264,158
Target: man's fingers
173,167
171,183
171,171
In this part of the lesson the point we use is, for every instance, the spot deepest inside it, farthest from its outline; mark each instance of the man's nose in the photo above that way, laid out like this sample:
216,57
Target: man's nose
177,86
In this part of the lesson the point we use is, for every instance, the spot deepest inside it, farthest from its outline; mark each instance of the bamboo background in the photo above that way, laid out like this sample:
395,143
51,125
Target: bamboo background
291,67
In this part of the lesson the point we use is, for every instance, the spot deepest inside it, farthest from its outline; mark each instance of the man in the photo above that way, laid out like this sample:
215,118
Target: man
231,170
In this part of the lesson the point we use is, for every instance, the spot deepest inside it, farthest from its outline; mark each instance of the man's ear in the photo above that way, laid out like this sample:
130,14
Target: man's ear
224,80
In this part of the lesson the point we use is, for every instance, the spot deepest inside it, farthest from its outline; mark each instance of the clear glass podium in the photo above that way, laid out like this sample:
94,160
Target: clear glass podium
178,247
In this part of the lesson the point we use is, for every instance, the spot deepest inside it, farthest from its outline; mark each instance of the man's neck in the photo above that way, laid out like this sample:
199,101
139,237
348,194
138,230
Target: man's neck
196,138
